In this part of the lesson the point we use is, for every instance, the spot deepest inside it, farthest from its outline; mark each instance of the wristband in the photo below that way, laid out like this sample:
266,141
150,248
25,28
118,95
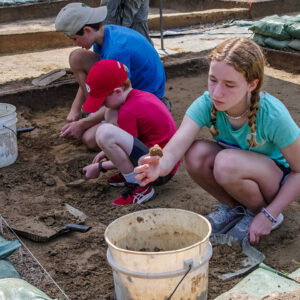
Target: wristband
101,169
269,216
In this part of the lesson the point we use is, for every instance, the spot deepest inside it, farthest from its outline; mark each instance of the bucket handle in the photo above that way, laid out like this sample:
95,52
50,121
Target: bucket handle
187,264
190,265
9,129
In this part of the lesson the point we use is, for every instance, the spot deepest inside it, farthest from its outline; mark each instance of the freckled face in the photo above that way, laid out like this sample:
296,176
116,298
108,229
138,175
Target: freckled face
227,87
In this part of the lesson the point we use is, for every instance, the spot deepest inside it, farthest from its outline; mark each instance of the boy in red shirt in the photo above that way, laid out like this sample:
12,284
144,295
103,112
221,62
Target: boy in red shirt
143,121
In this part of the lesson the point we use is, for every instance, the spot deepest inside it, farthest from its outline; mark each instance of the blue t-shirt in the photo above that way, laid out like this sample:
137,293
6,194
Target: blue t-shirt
126,45
275,128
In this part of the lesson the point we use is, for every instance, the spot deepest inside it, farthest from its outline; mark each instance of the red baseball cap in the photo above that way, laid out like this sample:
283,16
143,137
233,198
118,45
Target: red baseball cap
104,76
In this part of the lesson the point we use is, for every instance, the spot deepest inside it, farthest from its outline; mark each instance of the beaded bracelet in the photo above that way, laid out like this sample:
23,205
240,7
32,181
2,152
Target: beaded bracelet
269,216
100,167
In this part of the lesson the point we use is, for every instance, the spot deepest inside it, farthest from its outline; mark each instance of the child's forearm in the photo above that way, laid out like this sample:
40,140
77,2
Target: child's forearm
78,100
93,119
166,164
178,145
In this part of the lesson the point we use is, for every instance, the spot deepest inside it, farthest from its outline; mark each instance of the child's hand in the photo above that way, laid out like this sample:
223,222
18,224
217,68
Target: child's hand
148,169
259,227
91,171
72,131
98,157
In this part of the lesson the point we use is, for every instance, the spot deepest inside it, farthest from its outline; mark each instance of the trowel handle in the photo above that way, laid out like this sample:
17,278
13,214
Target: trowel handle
27,129
76,227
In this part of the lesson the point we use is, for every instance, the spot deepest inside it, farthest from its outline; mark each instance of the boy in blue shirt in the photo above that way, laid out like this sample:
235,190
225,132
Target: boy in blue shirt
83,25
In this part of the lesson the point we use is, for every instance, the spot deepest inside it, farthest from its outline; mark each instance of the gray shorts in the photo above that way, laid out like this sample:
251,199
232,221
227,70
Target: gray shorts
138,150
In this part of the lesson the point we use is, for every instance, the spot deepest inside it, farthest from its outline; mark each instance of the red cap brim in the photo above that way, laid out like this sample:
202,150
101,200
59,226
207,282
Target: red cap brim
92,104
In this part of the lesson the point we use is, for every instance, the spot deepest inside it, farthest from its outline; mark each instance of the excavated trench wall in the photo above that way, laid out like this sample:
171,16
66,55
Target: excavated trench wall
257,8
45,9
35,97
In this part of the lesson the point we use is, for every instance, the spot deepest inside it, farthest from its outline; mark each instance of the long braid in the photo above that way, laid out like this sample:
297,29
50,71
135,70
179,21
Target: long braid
213,118
252,142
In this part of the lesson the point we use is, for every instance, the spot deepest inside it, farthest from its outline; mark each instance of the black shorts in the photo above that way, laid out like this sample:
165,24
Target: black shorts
138,150
286,172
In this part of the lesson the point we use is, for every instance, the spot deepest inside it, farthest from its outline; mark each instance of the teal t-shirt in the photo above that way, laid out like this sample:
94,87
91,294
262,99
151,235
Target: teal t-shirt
275,128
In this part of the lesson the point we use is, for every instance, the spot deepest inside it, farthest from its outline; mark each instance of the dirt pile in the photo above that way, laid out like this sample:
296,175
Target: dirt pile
36,188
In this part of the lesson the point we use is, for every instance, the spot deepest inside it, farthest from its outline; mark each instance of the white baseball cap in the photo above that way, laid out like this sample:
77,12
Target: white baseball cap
75,15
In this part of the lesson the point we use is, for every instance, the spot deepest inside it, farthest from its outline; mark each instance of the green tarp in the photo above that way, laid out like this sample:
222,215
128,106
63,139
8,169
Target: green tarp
272,26
277,32
18,289
8,247
294,30
275,44
259,39
262,282
12,287
295,44
7,270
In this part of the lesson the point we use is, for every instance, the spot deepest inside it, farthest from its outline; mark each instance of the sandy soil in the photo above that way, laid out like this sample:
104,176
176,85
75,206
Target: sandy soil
36,188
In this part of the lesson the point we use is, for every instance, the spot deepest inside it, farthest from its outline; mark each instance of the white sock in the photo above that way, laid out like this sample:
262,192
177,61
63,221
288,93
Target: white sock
130,177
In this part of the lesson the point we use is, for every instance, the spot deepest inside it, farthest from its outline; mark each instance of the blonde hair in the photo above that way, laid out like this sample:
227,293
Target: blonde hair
247,58
126,85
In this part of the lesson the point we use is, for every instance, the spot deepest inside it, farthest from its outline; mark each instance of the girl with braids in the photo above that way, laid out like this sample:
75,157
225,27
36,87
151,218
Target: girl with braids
253,166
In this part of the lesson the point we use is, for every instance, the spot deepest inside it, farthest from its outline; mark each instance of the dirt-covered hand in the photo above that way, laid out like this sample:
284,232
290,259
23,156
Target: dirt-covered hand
99,157
91,171
72,131
259,227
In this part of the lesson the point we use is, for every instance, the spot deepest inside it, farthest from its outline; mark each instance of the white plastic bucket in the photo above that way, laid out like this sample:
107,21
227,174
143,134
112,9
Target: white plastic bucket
141,273
8,134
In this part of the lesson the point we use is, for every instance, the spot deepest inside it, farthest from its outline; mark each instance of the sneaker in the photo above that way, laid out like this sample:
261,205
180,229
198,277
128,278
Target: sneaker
224,217
117,180
135,194
166,102
240,230
280,219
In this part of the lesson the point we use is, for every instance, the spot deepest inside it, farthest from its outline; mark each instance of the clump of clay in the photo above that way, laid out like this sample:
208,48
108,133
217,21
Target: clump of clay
156,151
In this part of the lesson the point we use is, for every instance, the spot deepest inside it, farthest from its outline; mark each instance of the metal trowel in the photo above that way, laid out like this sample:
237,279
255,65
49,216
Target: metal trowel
41,239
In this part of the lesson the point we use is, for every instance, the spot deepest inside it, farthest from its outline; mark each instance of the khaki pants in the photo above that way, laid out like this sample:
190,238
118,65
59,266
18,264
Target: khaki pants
133,14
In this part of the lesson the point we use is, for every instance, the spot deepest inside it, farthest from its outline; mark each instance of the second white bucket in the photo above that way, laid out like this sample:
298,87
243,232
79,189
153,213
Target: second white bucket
8,134
151,251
